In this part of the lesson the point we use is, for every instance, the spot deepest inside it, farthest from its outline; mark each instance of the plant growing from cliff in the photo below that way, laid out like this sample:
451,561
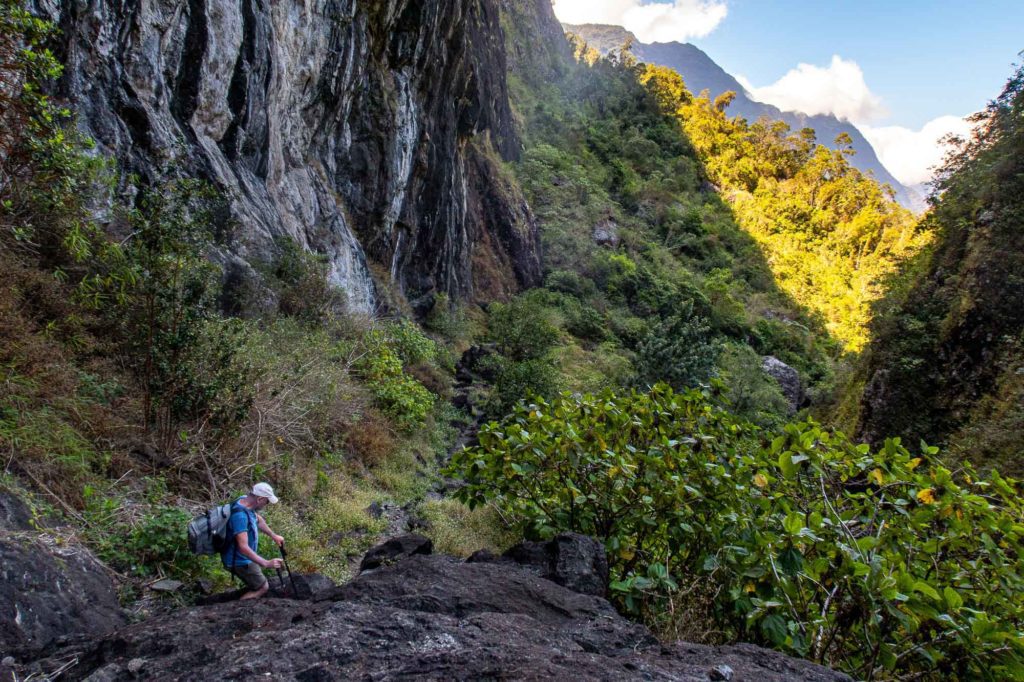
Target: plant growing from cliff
300,280
880,563
47,175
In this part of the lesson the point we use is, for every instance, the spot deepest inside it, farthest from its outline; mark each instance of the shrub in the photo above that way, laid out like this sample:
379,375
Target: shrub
399,395
162,296
410,343
679,351
458,530
569,282
371,439
879,563
752,393
583,321
521,329
47,175
515,381
151,543
303,288
446,318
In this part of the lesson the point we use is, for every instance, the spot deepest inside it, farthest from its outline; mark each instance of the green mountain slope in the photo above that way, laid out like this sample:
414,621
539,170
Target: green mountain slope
947,361
701,73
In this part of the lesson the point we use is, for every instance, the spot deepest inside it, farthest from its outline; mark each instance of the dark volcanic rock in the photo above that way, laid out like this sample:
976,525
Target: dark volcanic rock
396,549
427,617
14,514
284,586
573,561
49,593
363,130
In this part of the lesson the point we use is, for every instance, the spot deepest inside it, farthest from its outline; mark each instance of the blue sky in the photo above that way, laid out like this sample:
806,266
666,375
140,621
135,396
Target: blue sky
924,59
905,72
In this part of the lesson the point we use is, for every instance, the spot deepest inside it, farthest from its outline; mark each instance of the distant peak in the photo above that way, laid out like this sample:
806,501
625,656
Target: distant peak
607,34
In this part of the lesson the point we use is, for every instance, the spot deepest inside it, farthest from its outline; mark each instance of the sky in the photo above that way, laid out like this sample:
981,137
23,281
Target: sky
905,72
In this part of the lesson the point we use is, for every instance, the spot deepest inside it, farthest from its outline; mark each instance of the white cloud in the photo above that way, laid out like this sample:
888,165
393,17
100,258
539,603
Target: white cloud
837,89
911,155
840,89
652,22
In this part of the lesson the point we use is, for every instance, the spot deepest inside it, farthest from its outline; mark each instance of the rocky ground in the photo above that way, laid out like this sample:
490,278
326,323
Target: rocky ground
413,614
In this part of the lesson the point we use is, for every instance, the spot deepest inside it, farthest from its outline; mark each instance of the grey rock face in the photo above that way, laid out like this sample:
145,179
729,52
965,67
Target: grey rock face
49,593
606,233
14,515
364,131
788,378
426,617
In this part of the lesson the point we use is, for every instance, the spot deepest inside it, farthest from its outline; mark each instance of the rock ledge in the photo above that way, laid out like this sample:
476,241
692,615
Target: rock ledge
425,617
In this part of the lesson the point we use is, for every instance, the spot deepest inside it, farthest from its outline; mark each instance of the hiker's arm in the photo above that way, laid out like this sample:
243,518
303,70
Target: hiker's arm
265,529
242,544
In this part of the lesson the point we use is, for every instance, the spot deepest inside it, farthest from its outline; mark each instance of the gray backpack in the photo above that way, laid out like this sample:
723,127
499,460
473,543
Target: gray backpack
208,532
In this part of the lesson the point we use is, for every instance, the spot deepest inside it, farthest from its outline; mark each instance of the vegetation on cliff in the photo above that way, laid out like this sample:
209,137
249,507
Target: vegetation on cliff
947,356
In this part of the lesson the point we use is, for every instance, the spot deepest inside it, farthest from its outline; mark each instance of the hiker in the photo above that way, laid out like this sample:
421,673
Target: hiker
240,552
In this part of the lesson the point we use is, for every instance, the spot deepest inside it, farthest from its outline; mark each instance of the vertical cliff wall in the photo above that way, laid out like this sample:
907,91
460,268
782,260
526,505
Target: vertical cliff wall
367,131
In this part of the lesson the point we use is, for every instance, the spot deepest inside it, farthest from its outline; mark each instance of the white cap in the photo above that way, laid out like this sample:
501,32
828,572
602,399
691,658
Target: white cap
264,490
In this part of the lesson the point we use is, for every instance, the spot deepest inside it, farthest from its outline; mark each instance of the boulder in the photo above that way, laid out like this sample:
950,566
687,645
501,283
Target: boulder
426,616
708,187
167,585
396,549
788,379
606,233
472,363
301,586
574,561
50,593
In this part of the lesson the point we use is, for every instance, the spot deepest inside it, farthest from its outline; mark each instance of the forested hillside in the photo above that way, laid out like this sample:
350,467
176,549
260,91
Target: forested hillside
625,303
702,73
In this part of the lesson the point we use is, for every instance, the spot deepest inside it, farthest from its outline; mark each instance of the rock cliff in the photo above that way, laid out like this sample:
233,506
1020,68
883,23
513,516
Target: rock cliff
370,132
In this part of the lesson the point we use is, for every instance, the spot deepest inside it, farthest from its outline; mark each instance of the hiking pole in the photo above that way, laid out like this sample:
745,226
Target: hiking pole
291,578
280,580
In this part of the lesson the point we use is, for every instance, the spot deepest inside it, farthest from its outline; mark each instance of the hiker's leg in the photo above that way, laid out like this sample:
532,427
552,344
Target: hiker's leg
254,579
256,594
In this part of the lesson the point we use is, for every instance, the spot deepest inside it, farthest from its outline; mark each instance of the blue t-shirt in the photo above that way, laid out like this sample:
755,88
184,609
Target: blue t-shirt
242,520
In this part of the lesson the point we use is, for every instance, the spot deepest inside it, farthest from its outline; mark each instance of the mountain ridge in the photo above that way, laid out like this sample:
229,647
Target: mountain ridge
702,73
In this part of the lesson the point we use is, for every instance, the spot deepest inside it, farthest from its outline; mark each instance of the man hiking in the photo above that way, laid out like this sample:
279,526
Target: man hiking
240,552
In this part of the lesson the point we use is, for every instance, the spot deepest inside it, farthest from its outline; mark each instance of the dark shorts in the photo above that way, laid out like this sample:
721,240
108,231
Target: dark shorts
251,575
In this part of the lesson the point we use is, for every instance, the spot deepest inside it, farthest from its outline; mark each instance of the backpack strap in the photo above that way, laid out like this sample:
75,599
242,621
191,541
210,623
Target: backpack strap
233,545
